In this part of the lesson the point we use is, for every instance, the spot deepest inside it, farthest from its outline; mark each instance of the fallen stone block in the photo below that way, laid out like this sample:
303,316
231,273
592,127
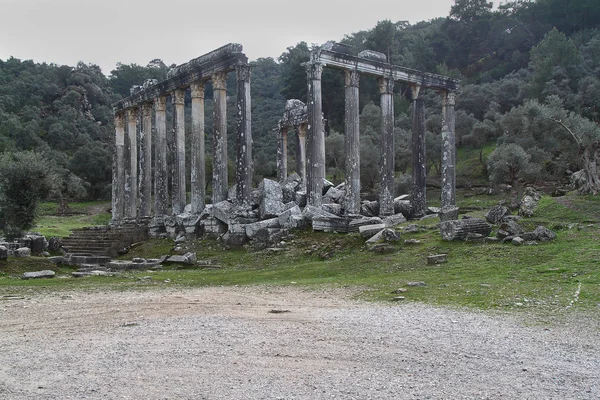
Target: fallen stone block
496,214
271,202
39,274
517,241
3,252
252,230
333,195
300,198
369,231
354,224
287,219
332,208
459,229
187,258
22,252
223,211
437,259
369,208
326,186
394,220
312,212
325,224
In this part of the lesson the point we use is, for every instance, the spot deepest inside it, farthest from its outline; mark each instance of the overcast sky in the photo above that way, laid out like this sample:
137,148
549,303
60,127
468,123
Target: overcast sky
105,32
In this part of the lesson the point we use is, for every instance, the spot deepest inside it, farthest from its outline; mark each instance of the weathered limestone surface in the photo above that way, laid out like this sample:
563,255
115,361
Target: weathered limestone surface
448,151
161,191
394,220
118,206
179,177
352,144
198,173
316,136
39,274
419,173
459,229
355,224
282,157
386,194
271,203
220,177
132,117
244,135
146,161
368,231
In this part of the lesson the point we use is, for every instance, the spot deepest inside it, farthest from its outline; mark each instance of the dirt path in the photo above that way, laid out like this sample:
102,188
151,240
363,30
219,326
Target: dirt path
218,343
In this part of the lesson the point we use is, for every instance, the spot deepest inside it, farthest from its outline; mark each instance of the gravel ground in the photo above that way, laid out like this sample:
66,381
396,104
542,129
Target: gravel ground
217,343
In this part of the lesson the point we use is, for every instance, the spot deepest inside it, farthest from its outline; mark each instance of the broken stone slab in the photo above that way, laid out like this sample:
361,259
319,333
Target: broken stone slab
268,236
292,218
91,267
437,259
39,274
385,235
83,274
394,220
368,231
369,208
3,252
188,259
511,227
213,226
271,202
517,241
433,210
402,206
355,224
326,186
300,198
335,209
475,237
22,252
540,233
37,243
496,214
236,235
334,195
448,213
312,212
335,224
252,230
223,211
459,229
528,206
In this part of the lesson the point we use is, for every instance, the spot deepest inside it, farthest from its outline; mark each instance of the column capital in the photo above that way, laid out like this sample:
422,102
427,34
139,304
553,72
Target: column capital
197,90
314,70
219,81
178,96
243,71
160,103
146,110
417,91
386,85
302,128
119,120
132,112
352,78
448,98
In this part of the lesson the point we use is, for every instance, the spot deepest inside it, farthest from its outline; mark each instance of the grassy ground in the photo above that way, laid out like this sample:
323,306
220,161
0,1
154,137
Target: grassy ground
83,214
545,278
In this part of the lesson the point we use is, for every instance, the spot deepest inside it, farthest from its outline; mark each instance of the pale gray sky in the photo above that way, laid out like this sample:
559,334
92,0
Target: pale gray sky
105,32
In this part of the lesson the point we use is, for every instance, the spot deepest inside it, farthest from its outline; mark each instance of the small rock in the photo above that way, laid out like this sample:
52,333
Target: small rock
517,241
412,241
415,284
437,259
399,290
39,274
398,298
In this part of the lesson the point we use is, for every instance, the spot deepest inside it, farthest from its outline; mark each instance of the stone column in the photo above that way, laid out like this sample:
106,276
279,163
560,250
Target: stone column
132,119
315,138
219,179
282,158
386,193
119,167
419,171
301,152
198,174
448,157
146,160
352,145
243,160
179,193
161,191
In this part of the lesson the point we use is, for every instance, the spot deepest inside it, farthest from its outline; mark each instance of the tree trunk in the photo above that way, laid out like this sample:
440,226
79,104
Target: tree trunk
590,167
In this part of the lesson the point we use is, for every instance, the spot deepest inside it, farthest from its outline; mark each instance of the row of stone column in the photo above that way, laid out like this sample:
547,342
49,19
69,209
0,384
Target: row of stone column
282,159
316,145
132,191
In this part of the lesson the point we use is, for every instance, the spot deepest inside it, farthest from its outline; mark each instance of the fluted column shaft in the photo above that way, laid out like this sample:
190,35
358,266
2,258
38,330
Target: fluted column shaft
178,197
198,173
448,151
315,137
282,158
301,152
161,191
220,177
386,194
243,160
146,160
352,144
119,169
419,170
132,119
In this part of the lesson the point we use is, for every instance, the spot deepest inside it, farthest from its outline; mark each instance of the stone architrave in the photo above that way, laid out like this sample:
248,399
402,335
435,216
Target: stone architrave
448,151
198,173
301,152
419,173
178,196
220,177
146,160
386,194
352,144
316,136
119,167
132,119
243,169
282,155
161,192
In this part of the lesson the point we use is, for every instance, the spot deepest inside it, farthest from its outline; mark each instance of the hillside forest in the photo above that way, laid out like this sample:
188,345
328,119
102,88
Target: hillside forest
528,110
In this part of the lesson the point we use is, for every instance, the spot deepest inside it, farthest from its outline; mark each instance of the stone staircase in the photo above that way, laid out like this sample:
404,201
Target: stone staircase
104,240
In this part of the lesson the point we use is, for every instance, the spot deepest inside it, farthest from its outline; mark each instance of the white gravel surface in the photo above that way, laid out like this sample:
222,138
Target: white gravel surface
225,343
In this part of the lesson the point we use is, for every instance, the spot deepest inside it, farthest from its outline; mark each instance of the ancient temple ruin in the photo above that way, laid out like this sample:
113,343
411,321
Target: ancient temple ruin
374,64
132,178
266,213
